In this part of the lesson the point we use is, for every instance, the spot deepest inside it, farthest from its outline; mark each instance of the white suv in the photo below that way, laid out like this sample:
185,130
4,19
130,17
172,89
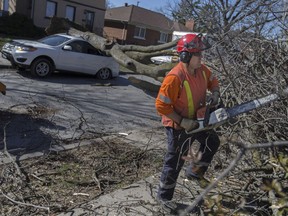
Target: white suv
60,52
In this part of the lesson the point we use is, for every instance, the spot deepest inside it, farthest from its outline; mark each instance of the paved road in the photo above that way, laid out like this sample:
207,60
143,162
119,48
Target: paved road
71,107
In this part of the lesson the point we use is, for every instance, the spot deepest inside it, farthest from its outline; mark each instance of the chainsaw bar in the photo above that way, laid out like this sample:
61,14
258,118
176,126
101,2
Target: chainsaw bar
222,115
251,105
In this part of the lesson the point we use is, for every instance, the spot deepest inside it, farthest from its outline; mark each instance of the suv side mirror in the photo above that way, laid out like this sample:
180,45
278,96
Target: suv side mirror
67,47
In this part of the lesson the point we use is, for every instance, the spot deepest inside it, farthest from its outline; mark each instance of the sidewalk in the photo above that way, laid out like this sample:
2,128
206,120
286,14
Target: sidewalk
137,199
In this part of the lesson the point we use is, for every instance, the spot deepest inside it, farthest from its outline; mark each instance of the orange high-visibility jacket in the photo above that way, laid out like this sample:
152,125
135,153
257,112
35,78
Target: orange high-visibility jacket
184,93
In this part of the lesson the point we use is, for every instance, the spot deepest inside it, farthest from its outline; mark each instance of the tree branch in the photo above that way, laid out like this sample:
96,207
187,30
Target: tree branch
243,149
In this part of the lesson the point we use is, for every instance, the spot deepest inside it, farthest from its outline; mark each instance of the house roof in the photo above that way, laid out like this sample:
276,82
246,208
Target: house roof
140,16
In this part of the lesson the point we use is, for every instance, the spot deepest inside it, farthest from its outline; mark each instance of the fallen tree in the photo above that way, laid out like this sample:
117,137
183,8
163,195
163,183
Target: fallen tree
133,57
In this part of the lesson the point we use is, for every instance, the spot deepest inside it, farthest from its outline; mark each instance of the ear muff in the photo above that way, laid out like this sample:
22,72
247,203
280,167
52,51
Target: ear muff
185,57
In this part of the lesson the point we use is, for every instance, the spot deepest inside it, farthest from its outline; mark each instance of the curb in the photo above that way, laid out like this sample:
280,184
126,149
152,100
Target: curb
5,67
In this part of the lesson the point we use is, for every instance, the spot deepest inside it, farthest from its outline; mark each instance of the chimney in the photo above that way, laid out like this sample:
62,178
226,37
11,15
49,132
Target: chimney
126,4
190,24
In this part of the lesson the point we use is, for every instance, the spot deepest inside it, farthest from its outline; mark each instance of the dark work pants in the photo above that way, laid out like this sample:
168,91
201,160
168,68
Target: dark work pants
178,146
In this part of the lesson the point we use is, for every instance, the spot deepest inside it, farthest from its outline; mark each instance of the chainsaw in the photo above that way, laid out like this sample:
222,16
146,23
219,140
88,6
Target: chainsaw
2,88
209,120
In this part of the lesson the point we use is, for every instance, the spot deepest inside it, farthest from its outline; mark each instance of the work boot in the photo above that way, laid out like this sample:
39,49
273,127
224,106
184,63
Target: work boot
199,178
168,206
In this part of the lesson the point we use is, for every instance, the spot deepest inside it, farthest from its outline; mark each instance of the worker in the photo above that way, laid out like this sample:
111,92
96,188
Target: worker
182,93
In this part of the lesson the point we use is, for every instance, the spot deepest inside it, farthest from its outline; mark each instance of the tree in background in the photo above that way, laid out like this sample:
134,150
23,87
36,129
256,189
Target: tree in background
215,16
244,38
109,4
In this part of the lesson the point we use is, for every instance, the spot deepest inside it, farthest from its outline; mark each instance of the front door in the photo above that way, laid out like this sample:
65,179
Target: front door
89,21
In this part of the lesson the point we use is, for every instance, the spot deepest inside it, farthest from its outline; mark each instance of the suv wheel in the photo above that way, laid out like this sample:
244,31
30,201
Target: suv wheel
41,67
104,74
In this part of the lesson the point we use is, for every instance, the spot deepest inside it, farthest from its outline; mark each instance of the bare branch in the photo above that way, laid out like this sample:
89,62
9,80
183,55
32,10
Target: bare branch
232,164
25,204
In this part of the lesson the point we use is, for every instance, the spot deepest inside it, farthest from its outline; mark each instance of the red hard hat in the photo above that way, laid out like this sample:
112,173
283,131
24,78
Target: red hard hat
191,43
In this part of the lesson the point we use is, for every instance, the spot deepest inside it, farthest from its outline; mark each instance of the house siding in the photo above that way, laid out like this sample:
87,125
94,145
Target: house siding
151,37
116,31
36,9
124,34
120,24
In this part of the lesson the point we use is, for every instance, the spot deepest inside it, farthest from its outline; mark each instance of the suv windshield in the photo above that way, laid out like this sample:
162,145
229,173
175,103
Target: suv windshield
54,40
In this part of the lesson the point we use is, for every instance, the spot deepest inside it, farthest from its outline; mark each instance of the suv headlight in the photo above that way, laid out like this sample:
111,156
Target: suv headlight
25,48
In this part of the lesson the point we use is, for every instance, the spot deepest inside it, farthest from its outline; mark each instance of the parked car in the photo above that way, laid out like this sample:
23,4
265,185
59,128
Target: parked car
164,59
60,52
158,60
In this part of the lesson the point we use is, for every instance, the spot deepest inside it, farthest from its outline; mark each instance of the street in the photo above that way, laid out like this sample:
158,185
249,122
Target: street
66,107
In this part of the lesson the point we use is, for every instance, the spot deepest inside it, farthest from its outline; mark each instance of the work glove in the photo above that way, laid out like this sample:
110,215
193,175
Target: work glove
189,124
214,98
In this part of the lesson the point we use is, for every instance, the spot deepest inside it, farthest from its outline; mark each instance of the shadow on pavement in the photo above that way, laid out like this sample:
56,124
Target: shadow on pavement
23,133
76,79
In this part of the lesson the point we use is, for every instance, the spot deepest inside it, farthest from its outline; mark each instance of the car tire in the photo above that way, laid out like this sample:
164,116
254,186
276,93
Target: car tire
41,67
104,74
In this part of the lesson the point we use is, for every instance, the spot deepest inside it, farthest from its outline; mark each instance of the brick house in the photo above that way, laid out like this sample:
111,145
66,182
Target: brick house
131,24
88,13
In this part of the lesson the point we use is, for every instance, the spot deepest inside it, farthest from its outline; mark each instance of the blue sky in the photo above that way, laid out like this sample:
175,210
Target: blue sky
148,4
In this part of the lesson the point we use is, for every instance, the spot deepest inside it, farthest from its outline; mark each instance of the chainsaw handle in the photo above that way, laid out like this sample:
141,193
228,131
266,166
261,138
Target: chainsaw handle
216,119
207,113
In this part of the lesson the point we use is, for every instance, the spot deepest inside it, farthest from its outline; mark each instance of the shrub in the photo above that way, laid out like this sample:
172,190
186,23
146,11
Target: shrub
19,25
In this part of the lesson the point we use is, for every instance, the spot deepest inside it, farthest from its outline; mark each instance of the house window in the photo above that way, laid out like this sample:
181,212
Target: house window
70,13
163,37
140,32
51,8
89,20
6,5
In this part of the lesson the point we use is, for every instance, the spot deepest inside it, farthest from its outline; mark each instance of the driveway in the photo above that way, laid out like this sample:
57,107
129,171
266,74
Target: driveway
37,113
